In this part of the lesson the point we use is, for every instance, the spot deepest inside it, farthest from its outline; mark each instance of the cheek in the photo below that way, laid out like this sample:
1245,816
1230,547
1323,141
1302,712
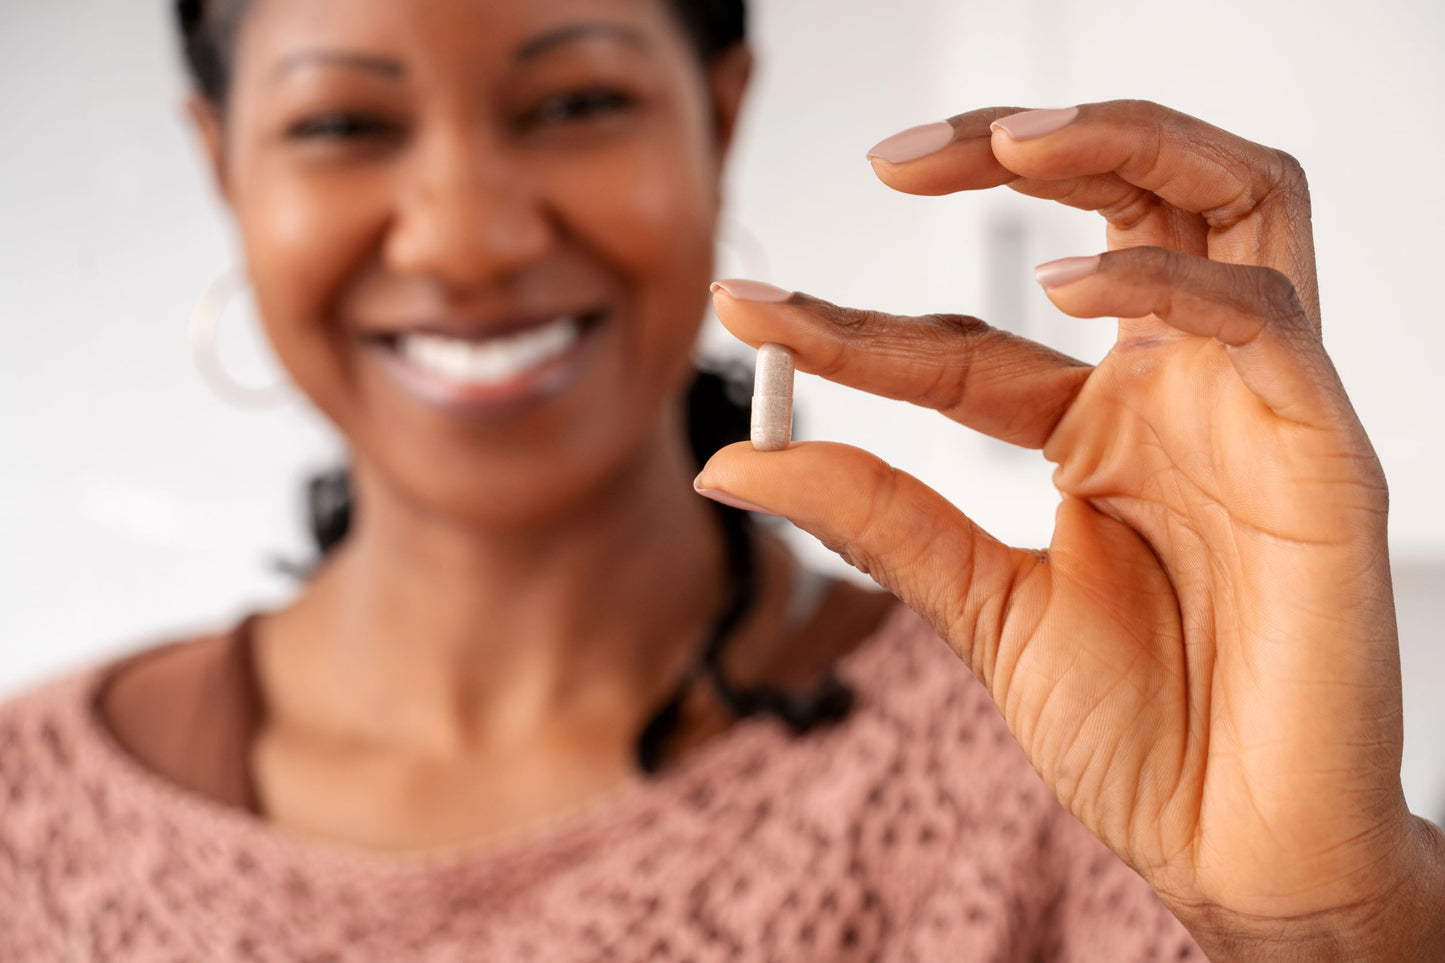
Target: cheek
650,215
304,238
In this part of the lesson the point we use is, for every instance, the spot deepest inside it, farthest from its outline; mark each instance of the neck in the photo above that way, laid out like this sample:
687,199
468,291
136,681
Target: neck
446,636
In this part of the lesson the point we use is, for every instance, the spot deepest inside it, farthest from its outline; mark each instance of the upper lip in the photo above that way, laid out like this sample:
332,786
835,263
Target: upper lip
476,328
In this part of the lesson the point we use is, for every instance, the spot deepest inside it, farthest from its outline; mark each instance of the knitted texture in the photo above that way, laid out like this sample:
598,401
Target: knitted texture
915,830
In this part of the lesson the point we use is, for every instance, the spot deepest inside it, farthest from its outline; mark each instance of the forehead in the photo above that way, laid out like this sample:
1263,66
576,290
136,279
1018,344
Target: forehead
475,33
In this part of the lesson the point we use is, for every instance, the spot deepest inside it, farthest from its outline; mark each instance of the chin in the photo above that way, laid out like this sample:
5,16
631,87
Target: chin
553,477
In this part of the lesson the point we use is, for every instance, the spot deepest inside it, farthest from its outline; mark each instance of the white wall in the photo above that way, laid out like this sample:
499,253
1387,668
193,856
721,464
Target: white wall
134,505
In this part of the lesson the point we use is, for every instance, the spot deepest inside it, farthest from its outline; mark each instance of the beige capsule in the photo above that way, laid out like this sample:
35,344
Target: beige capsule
773,398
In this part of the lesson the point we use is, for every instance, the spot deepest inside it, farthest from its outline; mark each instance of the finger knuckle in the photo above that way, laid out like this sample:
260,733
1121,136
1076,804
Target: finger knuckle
1289,186
1290,172
1130,208
951,348
1155,264
854,321
849,326
1141,108
1275,290
1274,285
957,326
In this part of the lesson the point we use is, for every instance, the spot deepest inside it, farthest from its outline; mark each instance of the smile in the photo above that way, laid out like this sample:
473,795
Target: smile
491,374
493,361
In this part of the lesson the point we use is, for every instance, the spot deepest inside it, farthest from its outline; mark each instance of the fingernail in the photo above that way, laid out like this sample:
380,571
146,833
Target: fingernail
744,290
725,499
913,143
1035,123
1066,270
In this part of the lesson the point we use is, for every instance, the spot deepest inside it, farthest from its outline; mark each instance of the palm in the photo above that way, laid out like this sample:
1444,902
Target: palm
1165,694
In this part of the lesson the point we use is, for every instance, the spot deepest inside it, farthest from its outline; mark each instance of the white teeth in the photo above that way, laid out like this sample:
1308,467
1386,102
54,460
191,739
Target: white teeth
493,361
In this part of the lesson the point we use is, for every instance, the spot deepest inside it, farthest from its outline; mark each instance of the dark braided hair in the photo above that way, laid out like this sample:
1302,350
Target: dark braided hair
716,406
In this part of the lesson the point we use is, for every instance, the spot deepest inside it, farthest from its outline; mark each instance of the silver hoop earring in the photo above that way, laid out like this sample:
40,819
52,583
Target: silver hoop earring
202,335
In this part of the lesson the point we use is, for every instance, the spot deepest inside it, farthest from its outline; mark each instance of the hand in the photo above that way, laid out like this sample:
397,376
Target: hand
1203,665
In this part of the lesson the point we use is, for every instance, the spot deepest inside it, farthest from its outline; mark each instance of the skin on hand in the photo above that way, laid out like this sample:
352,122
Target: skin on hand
1203,665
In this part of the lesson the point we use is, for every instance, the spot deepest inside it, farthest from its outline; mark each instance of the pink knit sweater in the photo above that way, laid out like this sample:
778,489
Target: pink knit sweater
916,830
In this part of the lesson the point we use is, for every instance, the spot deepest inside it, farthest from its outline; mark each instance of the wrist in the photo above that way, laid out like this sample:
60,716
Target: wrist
1399,920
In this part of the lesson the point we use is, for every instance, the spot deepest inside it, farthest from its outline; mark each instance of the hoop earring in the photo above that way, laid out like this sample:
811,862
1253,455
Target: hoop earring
201,333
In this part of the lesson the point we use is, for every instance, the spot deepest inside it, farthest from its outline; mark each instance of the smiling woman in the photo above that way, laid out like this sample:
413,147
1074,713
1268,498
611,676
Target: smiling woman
540,700
461,246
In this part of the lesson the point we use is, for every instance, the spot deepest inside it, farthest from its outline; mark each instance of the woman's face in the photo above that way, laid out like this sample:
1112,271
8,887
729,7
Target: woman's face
480,231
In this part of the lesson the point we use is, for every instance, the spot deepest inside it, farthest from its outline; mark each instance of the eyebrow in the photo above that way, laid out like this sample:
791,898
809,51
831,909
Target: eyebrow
372,63
394,69
580,31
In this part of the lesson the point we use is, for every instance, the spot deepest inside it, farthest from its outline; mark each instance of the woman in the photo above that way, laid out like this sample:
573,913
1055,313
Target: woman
541,701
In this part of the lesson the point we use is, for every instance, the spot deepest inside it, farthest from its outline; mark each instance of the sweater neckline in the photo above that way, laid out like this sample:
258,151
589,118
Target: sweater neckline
191,817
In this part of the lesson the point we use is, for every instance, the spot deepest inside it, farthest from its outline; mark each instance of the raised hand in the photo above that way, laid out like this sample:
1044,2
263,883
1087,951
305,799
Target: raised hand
1203,664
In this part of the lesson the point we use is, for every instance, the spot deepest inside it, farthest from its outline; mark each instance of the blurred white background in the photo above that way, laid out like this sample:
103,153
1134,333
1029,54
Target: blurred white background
135,506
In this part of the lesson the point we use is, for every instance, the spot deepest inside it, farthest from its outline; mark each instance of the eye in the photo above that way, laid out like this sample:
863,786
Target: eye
578,106
342,126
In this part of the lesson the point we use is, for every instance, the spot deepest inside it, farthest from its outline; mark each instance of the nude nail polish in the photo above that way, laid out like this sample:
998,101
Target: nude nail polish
913,143
745,290
724,498
1035,123
1066,270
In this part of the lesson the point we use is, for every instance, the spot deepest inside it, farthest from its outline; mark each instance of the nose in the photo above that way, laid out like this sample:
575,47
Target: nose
466,215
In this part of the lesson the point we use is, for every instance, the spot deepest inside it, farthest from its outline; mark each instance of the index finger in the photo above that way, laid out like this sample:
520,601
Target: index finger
995,382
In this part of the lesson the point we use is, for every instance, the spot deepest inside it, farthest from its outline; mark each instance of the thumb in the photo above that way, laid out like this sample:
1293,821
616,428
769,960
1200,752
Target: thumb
893,528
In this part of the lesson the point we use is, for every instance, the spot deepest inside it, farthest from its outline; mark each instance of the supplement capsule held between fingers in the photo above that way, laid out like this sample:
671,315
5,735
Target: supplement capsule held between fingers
773,398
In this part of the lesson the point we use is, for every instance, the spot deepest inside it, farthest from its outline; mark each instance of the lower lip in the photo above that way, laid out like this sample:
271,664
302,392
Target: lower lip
525,390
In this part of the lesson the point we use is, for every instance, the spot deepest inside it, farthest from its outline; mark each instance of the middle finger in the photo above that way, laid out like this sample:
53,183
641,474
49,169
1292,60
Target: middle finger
1187,184
965,161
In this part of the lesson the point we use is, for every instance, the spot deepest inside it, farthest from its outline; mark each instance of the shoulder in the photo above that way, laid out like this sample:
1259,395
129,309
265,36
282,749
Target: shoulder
54,734
39,729
146,703
188,712
73,790
49,800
